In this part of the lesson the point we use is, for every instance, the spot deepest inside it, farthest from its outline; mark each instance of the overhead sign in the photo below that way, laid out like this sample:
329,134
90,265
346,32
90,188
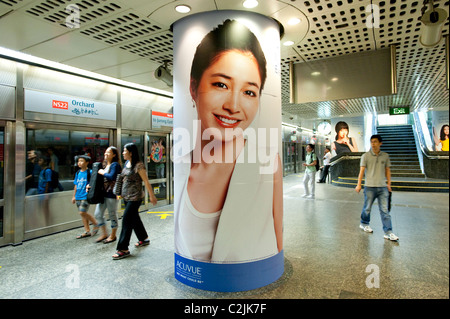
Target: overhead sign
160,119
399,110
50,103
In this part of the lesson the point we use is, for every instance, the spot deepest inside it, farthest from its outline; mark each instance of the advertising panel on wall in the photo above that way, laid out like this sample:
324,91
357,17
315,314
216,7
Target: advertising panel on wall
440,124
227,151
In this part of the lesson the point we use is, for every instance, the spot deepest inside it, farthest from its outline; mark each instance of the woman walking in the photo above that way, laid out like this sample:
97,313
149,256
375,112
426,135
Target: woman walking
130,181
112,168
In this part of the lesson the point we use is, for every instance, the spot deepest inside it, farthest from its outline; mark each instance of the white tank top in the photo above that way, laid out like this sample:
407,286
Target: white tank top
199,229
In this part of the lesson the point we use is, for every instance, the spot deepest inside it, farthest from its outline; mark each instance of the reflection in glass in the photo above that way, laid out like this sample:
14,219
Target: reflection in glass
60,147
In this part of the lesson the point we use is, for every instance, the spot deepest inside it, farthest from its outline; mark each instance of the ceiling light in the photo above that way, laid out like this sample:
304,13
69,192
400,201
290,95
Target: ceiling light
183,8
334,79
316,73
288,43
250,4
294,21
51,65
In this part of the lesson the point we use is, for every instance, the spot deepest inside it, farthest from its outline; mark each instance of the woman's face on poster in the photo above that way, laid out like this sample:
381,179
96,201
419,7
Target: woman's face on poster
446,130
343,133
228,94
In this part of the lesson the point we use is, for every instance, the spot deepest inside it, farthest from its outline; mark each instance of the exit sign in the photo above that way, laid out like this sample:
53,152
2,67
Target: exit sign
400,110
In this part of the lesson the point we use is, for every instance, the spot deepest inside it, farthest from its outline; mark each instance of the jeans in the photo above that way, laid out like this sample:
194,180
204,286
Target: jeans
309,178
370,194
131,221
111,204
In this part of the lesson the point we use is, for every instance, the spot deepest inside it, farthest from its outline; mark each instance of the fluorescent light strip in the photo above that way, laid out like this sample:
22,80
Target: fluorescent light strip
29,59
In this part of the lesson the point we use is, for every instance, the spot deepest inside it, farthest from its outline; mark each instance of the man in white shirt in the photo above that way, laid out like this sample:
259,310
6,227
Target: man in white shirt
326,165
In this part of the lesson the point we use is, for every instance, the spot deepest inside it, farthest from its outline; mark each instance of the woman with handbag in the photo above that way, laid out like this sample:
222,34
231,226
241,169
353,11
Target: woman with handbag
129,186
112,168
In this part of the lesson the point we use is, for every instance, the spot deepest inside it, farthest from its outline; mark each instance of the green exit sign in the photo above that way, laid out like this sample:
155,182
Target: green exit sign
400,110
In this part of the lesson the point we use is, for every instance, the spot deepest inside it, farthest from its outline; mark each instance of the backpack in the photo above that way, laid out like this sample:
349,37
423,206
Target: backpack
96,194
55,179
317,163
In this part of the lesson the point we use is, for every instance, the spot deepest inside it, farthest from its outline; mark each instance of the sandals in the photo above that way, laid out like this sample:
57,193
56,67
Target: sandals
95,230
142,243
84,235
106,241
120,254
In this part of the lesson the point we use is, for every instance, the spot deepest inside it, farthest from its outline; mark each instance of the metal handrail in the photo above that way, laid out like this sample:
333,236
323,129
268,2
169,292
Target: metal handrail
345,156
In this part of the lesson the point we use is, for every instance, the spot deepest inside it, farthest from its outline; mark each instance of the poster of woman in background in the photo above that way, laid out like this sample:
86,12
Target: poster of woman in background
343,142
441,141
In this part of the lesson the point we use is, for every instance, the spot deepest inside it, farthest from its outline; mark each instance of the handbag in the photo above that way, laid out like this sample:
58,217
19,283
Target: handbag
118,187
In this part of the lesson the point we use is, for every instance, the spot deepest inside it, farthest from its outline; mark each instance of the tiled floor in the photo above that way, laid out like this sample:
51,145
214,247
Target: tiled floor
326,255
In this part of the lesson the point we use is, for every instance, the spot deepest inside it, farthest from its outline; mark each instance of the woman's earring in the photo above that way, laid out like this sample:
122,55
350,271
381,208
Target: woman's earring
194,105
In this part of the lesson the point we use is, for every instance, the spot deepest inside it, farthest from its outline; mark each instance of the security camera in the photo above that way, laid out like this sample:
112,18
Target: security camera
164,75
433,21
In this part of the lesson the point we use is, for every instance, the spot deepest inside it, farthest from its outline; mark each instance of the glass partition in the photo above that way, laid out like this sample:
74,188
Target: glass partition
2,175
60,147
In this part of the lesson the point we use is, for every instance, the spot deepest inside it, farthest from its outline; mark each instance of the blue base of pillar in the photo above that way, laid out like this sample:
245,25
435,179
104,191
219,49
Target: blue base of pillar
229,277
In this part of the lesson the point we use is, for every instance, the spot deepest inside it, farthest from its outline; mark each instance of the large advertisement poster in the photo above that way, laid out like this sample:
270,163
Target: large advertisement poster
440,121
227,165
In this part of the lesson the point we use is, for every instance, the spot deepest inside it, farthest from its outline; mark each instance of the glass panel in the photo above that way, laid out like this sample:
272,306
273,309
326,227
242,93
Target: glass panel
1,221
137,139
156,165
2,161
60,147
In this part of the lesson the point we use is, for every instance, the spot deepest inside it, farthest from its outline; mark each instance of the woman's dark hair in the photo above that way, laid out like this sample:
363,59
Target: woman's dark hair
115,151
135,158
231,35
443,136
339,126
312,147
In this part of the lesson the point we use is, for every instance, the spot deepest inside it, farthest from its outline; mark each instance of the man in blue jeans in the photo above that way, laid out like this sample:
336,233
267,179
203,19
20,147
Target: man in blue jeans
375,164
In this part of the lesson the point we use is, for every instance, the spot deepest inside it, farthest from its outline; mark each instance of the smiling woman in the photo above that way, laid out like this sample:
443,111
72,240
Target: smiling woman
227,211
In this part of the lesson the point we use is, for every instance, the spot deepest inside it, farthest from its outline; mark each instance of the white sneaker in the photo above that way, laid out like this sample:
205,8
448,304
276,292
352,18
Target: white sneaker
367,229
310,196
391,236
304,196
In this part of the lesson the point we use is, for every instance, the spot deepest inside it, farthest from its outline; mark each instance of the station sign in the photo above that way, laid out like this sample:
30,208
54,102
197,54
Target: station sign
50,103
160,119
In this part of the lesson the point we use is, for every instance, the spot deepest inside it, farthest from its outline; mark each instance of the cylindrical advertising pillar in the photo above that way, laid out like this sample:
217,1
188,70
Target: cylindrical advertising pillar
227,151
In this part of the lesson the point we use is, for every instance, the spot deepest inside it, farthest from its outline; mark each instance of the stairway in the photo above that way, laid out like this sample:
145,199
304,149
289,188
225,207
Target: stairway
399,143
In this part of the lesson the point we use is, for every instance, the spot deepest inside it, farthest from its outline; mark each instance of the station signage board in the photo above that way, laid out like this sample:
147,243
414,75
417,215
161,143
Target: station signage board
50,103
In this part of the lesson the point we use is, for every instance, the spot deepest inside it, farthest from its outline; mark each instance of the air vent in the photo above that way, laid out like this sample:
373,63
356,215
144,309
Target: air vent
122,28
158,47
12,3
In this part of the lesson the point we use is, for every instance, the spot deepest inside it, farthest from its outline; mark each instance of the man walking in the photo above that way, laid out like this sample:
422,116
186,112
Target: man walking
310,172
375,164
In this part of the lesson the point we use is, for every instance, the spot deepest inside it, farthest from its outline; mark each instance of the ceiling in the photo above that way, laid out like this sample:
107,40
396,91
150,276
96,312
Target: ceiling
129,39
